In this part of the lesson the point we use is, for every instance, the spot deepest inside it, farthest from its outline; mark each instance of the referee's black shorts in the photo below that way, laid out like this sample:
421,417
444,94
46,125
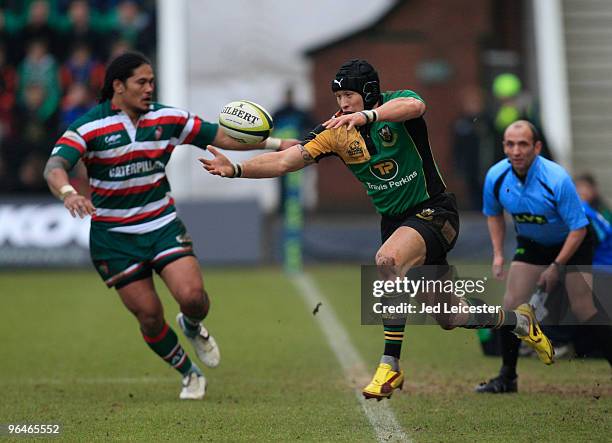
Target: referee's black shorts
529,251
436,220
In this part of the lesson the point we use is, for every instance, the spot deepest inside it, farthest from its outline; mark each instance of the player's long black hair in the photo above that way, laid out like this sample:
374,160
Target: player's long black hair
120,68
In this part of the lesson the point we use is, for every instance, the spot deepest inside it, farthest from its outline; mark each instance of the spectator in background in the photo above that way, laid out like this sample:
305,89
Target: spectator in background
102,6
596,213
27,150
290,119
290,122
135,25
513,104
8,90
77,101
473,138
118,47
31,174
82,67
81,30
38,27
39,67
4,177
33,127
11,47
587,188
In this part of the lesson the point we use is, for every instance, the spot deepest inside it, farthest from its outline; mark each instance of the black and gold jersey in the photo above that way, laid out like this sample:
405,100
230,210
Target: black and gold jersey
393,160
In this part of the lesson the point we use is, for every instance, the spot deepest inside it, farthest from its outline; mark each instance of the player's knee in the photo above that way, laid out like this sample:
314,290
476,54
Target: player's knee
385,259
194,300
151,324
387,264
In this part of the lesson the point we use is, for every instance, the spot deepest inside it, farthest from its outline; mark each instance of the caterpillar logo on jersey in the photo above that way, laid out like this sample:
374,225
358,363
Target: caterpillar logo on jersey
530,218
388,136
355,149
385,170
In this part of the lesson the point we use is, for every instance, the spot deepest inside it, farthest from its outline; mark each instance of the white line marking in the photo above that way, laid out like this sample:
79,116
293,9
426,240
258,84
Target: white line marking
379,414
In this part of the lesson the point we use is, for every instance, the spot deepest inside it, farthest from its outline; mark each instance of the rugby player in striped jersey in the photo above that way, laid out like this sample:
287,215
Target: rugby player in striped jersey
126,142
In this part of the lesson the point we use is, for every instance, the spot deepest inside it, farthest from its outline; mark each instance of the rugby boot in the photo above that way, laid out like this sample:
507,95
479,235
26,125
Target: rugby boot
194,386
204,344
498,385
385,381
535,338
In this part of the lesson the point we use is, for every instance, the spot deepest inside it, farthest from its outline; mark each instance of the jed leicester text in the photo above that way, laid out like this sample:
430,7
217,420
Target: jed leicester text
439,308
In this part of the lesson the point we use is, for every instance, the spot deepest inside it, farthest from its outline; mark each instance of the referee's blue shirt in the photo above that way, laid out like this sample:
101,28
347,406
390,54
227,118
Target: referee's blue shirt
544,208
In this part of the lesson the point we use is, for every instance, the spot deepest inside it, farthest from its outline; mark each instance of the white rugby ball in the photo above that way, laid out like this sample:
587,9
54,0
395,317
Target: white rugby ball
245,121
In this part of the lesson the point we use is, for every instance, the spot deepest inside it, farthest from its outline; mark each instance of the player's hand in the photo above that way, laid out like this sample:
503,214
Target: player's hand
287,143
348,120
549,279
497,268
219,164
79,205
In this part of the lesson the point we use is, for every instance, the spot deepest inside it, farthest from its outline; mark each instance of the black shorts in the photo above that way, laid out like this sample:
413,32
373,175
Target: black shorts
436,219
529,251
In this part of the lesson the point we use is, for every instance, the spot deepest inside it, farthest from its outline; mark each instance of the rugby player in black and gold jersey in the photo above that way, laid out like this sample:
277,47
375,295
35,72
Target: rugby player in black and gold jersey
382,138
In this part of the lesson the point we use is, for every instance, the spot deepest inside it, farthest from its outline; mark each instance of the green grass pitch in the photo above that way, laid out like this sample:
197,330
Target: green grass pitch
72,354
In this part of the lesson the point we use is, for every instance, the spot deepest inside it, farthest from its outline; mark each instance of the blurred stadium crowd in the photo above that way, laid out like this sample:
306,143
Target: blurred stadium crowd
52,58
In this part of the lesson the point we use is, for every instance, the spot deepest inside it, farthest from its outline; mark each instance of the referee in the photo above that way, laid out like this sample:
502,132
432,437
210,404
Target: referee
552,240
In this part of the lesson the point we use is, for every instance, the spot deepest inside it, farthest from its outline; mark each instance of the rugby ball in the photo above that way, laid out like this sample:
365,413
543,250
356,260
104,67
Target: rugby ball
245,121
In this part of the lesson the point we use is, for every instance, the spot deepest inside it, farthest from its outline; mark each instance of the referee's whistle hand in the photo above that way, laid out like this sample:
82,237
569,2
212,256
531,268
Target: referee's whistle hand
549,279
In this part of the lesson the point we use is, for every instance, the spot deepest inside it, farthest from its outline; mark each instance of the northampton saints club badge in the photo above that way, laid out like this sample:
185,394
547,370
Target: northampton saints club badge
387,135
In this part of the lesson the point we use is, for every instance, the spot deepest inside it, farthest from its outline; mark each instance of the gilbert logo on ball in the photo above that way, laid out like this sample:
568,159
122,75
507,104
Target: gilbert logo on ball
245,121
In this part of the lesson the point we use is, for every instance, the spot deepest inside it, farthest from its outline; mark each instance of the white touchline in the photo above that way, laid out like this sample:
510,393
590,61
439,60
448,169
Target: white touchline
379,414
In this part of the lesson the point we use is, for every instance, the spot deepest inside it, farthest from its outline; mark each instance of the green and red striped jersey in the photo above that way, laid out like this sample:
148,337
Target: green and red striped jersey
126,164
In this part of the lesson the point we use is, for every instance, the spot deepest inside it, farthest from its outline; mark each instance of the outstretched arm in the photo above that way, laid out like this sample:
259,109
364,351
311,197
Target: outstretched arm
396,110
224,141
271,164
56,174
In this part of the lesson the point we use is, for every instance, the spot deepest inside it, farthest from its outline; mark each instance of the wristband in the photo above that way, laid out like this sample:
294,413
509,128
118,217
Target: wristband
273,143
370,115
237,170
558,265
65,191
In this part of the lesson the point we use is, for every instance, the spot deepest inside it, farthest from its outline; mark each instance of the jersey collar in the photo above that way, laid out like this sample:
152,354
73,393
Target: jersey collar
531,172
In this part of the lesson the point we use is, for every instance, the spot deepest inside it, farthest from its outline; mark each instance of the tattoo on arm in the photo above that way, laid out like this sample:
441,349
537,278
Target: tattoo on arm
305,155
56,162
